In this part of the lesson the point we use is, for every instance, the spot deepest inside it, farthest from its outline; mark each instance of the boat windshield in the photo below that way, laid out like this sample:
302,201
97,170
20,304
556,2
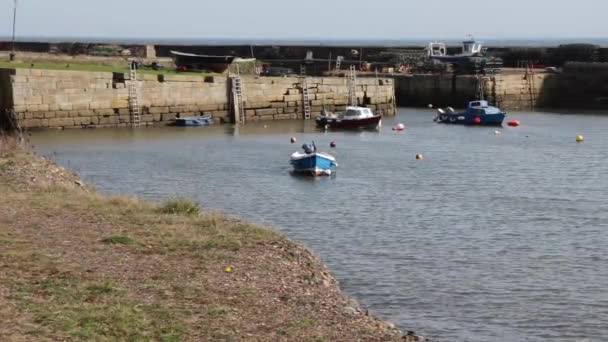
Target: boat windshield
352,112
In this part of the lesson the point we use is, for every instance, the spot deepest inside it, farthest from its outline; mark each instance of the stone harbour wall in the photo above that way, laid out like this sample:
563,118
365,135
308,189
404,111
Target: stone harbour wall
74,99
510,91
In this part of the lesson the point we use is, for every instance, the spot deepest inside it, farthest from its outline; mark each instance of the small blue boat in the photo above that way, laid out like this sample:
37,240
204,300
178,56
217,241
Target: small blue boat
477,113
204,120
312,162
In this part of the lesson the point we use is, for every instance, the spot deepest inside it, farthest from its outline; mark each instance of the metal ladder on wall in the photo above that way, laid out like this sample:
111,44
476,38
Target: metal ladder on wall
529,86
133,98
237,98
302,70
338,63
305,99
352,86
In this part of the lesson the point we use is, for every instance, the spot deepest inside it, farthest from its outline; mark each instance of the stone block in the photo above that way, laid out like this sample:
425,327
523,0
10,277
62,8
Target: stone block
31,123
147,118
86,112
120,104
289,98
104,111
61,122
266,111
49,115
278,104
80,106
65,106
282,116
168,116
159,110
266,117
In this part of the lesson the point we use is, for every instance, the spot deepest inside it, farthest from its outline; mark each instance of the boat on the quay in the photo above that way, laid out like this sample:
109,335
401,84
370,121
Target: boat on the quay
354,117
477,113
204,120
311,162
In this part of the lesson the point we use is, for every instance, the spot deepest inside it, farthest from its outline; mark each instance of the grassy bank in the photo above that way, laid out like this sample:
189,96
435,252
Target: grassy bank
92,67
76,265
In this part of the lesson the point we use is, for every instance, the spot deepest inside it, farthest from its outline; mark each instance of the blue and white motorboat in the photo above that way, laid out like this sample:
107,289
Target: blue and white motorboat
204,120
477,113
312,162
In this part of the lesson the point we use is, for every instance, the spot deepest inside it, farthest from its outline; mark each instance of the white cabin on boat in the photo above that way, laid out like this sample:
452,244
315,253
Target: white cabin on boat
354,112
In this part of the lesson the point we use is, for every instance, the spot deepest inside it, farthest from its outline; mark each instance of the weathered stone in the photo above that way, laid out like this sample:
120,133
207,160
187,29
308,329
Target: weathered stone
120,104
159,110
61,122
266,111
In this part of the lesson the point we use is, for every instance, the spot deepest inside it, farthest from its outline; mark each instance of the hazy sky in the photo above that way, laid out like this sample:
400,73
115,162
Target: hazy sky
322,19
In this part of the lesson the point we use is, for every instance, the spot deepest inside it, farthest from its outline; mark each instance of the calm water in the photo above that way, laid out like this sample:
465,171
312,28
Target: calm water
489,238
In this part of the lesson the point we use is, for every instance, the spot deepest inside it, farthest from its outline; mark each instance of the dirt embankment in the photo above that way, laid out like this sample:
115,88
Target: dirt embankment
75,265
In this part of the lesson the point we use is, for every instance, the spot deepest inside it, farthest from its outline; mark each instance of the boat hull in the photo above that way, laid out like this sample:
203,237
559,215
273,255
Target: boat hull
314,164
473,119
337,123
194,121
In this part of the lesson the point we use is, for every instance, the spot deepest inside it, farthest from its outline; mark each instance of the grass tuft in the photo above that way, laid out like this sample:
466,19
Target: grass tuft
118,240
180,206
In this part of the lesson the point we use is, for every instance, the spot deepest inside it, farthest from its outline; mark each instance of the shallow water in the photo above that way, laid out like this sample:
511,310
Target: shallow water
489,238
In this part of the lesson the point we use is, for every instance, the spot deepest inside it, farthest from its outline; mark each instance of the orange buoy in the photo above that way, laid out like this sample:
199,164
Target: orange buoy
477,120
513,123
293,140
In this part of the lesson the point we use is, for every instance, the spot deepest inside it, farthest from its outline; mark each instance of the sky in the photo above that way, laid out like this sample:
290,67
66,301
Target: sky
309,19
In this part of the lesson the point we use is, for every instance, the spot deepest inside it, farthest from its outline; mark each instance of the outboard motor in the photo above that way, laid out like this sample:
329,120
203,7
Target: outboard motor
309,148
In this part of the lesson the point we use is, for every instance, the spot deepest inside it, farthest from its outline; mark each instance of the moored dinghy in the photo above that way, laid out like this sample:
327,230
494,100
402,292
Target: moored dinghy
354,117
204,120
312,162
477,113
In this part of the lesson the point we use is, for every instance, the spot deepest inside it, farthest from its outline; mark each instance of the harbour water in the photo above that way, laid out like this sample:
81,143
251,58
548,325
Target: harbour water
492,237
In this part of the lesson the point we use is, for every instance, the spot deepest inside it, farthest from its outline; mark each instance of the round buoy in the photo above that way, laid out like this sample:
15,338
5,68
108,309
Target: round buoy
419,156
477,120
326,127
293,140
430,105
399,127
513,123
580,138
229,269
332,144
497,132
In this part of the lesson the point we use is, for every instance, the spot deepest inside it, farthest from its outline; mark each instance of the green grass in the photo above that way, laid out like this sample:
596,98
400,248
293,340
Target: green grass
93,68
64,305
118,240
180,206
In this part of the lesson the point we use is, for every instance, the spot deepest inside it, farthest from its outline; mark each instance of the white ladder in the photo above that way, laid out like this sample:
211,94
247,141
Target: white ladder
352,86
338,63
305,99
237,99
133,100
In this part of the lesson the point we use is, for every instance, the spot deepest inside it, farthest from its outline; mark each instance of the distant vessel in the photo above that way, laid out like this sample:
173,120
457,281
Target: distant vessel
470,48
353,117
477,113
312,162
189,61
